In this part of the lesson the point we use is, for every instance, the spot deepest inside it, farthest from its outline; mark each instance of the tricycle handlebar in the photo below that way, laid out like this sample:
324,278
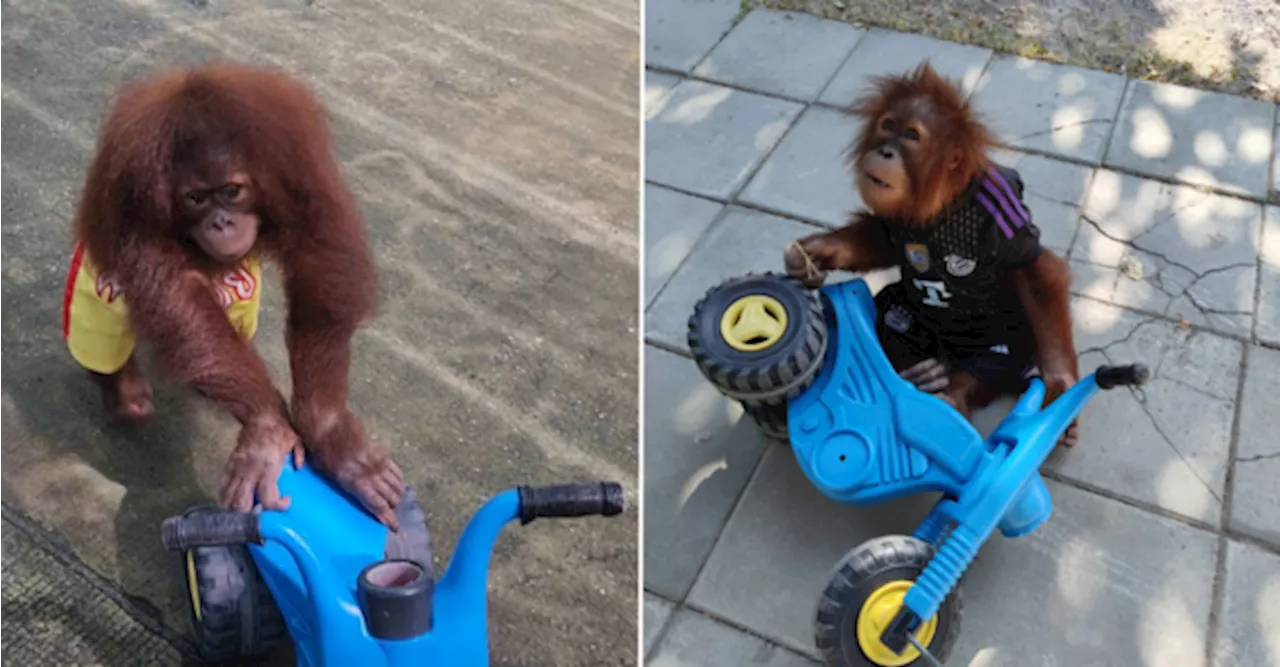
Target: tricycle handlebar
571,500
1108,377
210,529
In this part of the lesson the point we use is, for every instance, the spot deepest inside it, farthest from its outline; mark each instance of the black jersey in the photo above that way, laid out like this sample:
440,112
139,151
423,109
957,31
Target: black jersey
954,270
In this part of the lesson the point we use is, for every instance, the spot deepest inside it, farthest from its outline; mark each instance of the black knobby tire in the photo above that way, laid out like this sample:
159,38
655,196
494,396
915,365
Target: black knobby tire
863,570
771,420
775,374
239,618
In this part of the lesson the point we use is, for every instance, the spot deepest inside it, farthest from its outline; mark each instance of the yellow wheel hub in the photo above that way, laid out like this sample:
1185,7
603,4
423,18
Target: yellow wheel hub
193,585
877,612
753,323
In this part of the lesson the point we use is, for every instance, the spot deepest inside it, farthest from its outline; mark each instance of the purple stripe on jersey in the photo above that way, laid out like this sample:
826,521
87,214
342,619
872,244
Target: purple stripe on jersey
1013,196
1000,197
995,212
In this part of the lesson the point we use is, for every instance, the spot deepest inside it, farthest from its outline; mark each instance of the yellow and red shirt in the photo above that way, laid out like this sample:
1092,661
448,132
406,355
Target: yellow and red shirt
95,317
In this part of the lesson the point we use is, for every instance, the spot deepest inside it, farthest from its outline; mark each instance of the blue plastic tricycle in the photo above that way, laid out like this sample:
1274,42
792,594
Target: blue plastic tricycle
808,367
347,590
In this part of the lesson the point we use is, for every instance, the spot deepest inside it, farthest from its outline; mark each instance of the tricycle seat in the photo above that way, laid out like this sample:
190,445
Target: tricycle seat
860,432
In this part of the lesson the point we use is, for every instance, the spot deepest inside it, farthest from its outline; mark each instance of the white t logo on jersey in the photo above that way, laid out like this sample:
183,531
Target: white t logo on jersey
935,292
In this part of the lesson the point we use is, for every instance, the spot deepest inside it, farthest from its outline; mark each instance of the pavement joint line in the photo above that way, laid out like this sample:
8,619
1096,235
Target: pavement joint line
696,608
986,67
667,347
1149,508
862,36
736,196
1250,197
1079,220
1228,489
724,84
697,245
733,509
1115,120
777,213
737,20
676,605
43,540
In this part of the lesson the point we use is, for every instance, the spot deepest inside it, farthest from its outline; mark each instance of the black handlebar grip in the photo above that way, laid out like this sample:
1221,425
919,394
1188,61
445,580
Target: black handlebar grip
570,500
1114,376
209,529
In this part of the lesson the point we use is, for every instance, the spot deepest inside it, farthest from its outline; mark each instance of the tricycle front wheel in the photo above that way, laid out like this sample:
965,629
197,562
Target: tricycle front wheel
232,611
863,596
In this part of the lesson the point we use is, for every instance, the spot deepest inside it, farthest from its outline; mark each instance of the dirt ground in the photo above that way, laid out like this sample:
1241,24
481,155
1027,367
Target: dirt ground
1224,45
492,147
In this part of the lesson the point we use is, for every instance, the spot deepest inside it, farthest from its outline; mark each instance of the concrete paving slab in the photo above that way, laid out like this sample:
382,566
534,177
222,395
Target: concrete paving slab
501,354
885,52
695,640
1099,583
779,546
656,612
783,53
708,138
1198,251
678,33
1166,444
1194,136
699,450
657,87
673,223
1268,316
742,240
1047,598
55,616
1050,108
1249,625
1255,495
807,175
1054,192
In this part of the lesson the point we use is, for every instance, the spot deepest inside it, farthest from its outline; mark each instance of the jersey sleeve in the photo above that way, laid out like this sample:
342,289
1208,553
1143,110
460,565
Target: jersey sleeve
1015,237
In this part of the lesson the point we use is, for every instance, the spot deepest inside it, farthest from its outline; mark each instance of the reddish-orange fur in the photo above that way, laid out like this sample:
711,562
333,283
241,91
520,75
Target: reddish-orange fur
957,149
157,131
939,168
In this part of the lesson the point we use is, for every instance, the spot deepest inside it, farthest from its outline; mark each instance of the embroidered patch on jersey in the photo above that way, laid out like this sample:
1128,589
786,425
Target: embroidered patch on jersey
918,256
1000,349
898,319
959,266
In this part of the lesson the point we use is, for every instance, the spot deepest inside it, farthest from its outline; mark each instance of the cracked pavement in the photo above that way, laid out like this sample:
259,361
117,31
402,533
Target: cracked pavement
492,149
1164,546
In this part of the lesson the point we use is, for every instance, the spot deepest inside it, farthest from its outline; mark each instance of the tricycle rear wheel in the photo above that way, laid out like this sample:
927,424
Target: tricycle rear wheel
759,338
864,594
771,419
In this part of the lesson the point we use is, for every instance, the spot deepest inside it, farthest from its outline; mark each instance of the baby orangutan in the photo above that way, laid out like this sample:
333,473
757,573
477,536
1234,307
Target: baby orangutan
200,176
981,304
